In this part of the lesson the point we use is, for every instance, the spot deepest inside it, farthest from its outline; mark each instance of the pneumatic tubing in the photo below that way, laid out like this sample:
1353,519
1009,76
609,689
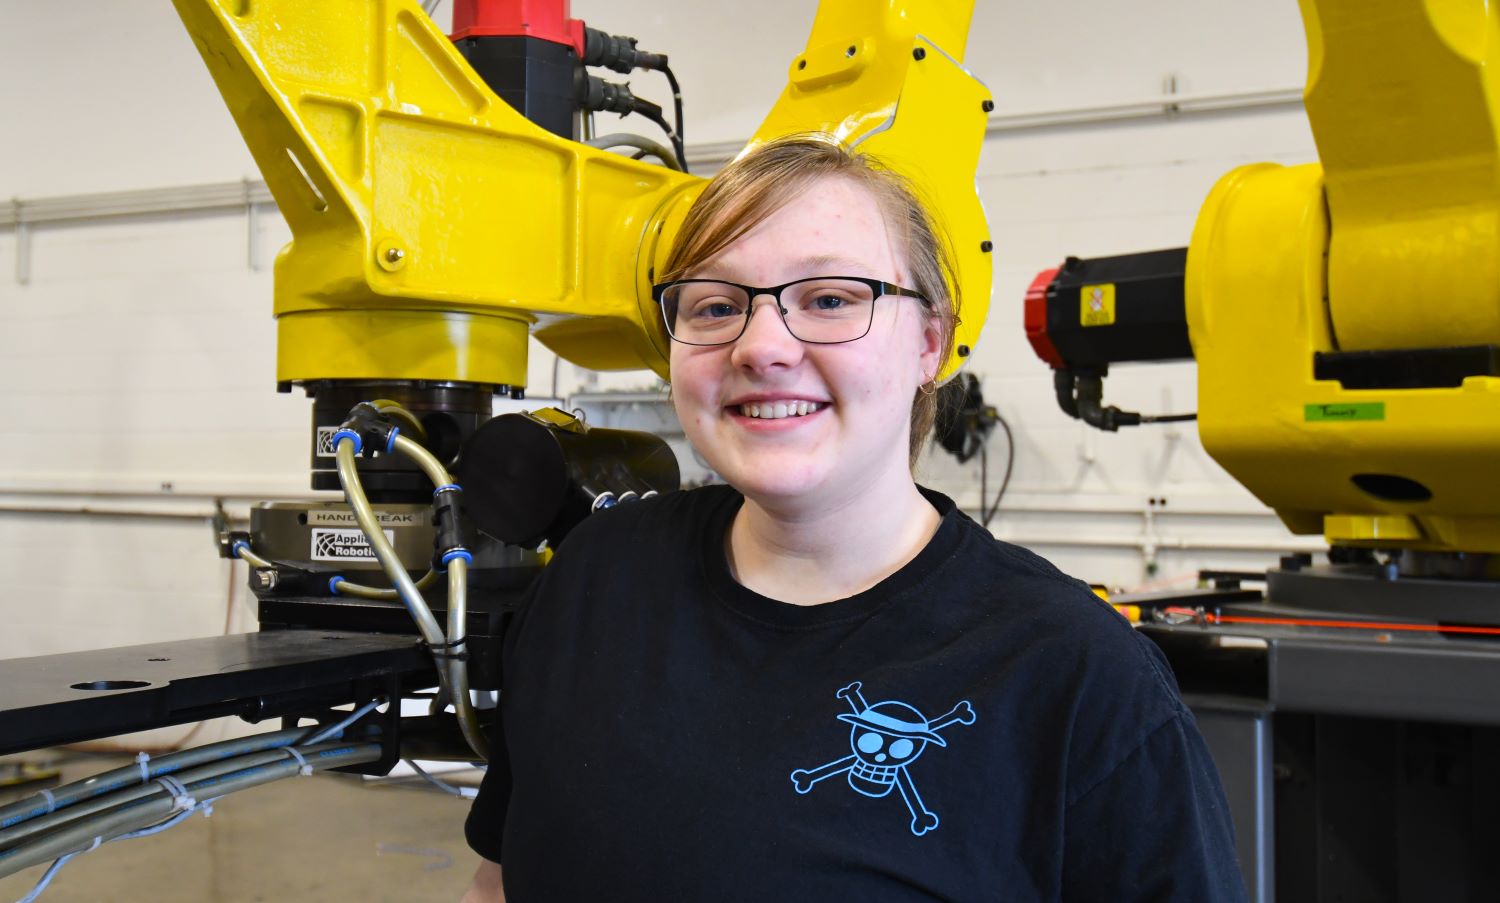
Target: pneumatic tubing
456,663
411,597
452,673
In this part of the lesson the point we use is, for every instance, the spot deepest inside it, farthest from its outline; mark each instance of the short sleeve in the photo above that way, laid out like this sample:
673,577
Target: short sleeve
1155,828
485,827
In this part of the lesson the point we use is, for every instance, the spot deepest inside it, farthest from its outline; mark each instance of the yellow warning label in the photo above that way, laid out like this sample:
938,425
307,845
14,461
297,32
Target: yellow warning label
1096,305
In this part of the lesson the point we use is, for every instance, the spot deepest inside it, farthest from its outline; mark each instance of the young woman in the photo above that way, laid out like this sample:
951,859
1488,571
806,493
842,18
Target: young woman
822,681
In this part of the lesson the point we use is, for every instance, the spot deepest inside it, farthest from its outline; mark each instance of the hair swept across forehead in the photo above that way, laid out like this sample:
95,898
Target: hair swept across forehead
770,176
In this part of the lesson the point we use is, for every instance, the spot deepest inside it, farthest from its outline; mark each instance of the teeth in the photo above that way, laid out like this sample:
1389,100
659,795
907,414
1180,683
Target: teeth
775,410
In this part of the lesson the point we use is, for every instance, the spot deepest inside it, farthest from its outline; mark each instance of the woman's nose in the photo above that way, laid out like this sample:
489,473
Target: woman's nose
766,341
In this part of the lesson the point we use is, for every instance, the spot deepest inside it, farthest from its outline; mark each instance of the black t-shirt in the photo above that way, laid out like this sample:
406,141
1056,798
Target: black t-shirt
977,726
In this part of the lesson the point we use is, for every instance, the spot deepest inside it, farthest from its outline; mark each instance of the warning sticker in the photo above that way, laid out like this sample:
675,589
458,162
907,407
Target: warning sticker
344,545
347,519
325,442
1096,305
1364,410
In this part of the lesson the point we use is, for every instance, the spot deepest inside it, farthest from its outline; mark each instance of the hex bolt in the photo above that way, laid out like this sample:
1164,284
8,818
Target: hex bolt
919,54
987,105
986,247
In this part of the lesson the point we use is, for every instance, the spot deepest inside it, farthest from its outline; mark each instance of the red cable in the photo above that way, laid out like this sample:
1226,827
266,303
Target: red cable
1348,625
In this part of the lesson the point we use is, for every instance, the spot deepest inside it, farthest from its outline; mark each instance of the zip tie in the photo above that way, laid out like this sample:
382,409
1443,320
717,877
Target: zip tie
51,800
142,759
181,799
453,649
306,769
390,444
447,487
339,436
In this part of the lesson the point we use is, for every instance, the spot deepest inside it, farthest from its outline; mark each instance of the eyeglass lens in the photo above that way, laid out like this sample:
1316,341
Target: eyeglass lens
819,310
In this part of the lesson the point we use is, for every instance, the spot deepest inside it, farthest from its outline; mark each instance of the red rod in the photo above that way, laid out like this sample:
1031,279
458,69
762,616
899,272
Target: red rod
1354,625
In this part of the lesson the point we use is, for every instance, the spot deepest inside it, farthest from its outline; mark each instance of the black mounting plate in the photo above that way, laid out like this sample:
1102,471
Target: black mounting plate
55,699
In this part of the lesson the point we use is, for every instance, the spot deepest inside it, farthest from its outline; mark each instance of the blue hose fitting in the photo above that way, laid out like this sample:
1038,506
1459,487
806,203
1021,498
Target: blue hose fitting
346,433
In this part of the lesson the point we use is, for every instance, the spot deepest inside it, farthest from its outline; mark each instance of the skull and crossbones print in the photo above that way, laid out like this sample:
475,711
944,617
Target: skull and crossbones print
886,739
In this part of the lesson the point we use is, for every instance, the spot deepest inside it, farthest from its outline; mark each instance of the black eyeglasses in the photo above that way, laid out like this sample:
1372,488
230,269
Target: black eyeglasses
822,310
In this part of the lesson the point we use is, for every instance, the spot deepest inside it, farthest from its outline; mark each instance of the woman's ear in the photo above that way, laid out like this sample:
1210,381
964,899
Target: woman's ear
930,358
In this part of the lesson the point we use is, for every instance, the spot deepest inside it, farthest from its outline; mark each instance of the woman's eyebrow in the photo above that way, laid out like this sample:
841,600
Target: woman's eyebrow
832,265
815,265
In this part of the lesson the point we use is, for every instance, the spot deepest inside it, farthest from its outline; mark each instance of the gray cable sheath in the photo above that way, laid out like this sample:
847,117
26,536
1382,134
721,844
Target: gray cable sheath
11,836
639,142
35,806
109,825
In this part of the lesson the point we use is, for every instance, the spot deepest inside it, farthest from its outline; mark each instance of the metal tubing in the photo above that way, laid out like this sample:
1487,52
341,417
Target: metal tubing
458,665
427,625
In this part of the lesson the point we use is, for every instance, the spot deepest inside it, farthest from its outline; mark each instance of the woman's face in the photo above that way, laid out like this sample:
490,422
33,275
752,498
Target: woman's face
856,437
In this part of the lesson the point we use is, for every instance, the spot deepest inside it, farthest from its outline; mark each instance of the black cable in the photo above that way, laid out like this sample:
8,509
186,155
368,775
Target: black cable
677,114
1010,464
1168,418
661,122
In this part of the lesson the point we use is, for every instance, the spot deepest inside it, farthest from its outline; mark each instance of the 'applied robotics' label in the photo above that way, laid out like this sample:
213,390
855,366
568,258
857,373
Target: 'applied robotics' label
344,545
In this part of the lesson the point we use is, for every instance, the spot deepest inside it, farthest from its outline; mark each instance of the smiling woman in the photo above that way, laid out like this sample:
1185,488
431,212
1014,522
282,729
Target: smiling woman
691,669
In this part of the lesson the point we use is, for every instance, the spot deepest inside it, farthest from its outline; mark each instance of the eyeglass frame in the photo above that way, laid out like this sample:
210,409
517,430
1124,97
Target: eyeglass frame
880,287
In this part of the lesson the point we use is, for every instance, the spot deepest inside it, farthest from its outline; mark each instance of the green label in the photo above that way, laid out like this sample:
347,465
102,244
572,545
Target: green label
1370,410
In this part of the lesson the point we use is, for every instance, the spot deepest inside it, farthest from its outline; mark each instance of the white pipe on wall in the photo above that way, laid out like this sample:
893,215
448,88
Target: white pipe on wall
251,192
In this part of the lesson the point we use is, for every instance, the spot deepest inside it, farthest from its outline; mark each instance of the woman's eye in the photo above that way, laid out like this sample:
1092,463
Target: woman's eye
718,311
828,302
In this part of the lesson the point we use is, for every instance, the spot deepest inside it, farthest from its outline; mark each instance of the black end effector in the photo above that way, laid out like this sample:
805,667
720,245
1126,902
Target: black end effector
963,419
617,52
1089,314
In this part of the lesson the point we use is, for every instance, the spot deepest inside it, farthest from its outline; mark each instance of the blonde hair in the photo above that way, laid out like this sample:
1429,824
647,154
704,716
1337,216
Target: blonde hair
764,180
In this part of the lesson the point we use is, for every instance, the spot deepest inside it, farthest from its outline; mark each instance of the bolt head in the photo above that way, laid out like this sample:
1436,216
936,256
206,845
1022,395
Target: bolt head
394,254
988,106
919,54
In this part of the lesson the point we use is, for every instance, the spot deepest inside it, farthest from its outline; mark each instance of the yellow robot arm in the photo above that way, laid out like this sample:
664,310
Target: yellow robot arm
434,227
1340,313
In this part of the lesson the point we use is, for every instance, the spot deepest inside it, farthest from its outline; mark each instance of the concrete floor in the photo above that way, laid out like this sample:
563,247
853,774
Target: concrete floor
320,838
